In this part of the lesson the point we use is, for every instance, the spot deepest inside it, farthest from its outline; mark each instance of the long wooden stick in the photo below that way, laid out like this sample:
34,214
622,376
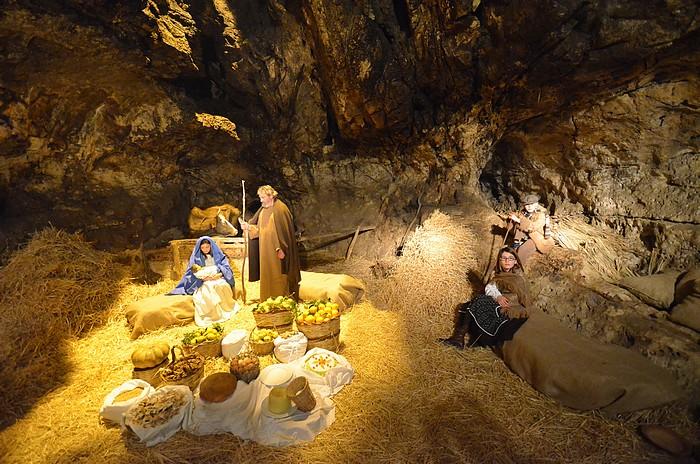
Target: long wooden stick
352,243
485,277
245,248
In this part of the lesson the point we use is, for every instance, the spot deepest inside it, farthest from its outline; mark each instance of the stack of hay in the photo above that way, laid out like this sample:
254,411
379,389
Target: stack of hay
55,288
430,278
605,251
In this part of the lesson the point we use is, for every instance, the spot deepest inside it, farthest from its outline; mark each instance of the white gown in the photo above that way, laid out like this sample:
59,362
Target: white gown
213,301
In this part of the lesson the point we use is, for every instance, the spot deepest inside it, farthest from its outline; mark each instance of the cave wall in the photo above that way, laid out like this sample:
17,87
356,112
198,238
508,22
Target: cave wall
117,117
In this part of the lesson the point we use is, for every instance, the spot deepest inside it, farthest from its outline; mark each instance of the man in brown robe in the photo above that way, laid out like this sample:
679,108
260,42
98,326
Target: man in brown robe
273,254
531,229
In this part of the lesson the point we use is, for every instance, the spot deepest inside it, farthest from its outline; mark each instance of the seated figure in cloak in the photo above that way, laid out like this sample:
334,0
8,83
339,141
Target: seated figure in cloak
532,229
274,258
493,318
209,279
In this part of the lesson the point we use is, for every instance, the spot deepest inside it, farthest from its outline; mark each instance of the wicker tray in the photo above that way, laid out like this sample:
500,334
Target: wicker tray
151,374
274,320
191,380
323,330
331,343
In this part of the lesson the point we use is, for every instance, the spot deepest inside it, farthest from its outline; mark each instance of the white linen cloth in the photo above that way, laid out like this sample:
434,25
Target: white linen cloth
232,415
243,416
213,301
303,426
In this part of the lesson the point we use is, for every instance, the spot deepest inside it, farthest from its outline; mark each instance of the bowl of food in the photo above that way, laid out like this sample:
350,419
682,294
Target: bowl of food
233,342
276,375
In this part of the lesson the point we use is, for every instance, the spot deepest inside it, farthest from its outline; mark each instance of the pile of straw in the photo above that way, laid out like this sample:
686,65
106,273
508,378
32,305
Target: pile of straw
430,277
605,251
411,400
57,287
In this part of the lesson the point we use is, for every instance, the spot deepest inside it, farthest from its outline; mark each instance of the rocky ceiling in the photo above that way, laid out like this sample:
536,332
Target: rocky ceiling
117,117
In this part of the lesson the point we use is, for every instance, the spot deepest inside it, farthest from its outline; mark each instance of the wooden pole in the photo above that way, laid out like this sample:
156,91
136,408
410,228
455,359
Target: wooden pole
245,248
485,277
352,243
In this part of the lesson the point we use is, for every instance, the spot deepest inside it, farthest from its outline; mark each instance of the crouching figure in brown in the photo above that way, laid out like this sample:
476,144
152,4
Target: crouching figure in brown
493,318
532,229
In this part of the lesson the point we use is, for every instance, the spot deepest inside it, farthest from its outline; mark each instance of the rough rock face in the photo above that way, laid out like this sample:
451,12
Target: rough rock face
106,103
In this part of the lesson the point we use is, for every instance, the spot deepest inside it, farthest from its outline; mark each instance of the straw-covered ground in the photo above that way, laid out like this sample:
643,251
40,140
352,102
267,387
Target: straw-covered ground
412,400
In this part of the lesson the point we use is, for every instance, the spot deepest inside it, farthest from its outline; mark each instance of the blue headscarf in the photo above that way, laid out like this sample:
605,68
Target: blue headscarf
189,283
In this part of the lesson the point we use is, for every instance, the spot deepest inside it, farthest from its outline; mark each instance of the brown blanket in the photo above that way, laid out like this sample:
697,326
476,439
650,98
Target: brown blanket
584,374
159,311
340,288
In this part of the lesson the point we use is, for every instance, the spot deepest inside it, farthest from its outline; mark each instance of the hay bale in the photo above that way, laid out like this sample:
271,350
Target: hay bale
430,277
54,288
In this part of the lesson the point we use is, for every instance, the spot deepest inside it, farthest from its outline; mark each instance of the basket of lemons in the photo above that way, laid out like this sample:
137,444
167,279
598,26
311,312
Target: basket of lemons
262,341
275,313
320,321
205,341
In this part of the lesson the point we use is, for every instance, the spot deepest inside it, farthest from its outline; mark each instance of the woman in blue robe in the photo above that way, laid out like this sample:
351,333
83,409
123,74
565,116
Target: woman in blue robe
209,279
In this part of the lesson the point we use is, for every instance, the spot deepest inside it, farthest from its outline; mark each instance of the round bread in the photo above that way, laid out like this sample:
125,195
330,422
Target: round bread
218,387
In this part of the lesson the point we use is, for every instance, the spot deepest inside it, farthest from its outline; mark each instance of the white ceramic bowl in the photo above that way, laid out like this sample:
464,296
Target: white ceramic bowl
233,342
276,375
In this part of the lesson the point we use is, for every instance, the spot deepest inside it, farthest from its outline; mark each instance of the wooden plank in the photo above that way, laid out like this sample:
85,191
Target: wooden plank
352,243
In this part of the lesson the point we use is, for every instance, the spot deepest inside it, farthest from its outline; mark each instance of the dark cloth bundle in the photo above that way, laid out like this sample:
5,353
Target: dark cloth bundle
486,314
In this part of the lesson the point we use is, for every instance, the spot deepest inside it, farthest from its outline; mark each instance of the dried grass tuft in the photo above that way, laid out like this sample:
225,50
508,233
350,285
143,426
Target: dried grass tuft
605,251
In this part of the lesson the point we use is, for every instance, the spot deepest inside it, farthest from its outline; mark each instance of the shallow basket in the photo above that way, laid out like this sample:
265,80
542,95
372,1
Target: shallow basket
262,349
191,380
151,374
208,349
322,330
277,319
330,343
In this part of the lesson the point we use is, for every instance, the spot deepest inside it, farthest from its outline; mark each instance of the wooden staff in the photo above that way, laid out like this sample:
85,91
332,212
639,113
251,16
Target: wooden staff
245,248
493,264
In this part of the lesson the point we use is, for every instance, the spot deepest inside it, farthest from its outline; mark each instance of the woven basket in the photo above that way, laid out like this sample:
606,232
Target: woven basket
209,349
322,330
261,349
300,393
330,343
274,320
191,380
247,376
151,374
